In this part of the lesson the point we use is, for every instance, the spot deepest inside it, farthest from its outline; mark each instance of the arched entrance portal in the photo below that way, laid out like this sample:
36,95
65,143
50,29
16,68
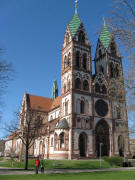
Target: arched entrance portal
102,136
83,144
121,145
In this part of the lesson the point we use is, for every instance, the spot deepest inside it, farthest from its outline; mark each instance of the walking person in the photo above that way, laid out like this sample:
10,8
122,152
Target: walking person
37,163
42,165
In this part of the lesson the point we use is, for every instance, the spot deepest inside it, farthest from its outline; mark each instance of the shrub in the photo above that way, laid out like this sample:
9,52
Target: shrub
114,161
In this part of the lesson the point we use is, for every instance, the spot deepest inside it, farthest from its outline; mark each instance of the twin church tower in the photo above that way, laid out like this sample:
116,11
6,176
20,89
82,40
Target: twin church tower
91,110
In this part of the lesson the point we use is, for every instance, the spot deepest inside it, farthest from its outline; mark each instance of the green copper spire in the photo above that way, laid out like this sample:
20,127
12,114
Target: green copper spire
74,24
105,36
54,90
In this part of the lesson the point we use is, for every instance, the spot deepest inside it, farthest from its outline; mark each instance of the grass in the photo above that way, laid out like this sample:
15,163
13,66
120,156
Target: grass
66,164
126,175
1,158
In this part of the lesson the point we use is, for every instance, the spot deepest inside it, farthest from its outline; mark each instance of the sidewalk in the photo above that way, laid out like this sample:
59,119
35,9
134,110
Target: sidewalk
11,171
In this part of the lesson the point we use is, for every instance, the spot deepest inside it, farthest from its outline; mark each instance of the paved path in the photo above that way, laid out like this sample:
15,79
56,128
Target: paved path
11,171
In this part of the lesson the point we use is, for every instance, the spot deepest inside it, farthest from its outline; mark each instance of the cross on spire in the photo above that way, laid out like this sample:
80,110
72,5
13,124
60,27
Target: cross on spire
76,5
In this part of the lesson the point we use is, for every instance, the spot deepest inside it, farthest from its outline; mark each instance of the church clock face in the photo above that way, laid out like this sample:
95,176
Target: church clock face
101,108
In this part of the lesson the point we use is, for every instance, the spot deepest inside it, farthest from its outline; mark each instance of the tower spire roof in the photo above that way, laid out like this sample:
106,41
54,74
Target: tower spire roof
105,35
75,22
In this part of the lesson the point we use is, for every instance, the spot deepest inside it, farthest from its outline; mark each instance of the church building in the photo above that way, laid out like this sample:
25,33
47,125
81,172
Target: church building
90,112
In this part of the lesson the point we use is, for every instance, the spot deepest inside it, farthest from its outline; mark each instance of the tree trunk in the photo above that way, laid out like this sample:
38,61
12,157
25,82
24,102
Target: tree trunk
26,156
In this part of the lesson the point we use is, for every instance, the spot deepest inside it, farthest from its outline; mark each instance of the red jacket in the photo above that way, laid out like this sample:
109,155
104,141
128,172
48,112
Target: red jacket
36,162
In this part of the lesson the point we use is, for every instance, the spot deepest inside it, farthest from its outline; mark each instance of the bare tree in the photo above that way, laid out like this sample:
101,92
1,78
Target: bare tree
27,128
122,24
6,72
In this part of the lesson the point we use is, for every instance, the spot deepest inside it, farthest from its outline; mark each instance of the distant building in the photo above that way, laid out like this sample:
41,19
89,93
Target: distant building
91,108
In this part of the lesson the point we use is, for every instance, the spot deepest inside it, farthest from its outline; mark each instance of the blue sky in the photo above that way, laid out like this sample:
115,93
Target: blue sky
32,33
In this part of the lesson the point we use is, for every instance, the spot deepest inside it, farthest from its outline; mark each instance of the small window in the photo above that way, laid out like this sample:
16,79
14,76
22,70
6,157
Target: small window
52,141
61,138
65,62
101,69
77,59
64,88
69,59
104,90
85,85
111,70
100,53
116,71
97,88
66,108
69,85
77,83
87,123
113,48
81,37
82,107
84,61
78,123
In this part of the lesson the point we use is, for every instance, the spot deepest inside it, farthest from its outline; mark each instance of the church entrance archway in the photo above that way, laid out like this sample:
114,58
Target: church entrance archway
102,136
121,145
83,144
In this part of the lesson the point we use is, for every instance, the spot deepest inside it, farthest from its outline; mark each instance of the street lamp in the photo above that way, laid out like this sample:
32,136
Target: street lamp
101,144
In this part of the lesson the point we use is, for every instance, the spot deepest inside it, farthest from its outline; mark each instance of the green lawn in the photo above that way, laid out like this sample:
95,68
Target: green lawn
1,158
65,164
126,175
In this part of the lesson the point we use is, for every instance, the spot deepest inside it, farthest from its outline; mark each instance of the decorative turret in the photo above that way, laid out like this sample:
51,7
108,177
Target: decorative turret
54,90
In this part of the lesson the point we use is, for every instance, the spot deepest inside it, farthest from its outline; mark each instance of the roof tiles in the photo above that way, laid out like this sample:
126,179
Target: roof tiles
43,103
105,37
74,24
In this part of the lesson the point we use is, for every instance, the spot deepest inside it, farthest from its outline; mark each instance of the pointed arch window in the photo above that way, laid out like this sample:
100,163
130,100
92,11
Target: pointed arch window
78,83
113,48
85,61
64,88
78,123
97,88
100,53
62,139
104,90
101,69
111,70
77,59
66,108
69,59
82,107
85,85
65,62
116,71
81,37
68,84
52,141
